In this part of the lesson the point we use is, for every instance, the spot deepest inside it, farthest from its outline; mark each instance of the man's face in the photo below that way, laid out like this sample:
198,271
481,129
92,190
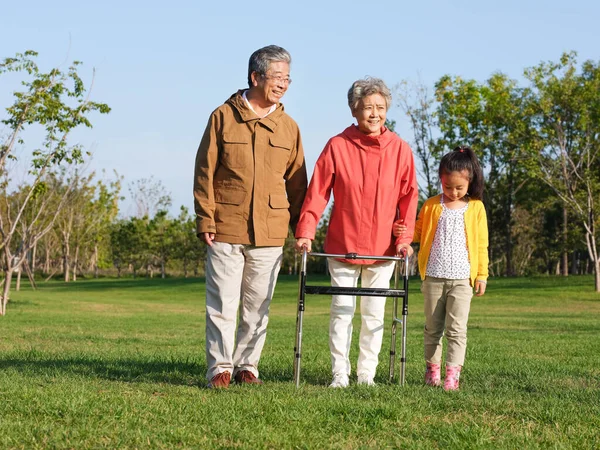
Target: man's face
273,84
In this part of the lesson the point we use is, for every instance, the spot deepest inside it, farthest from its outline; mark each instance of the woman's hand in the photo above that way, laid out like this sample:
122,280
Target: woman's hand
303,242
404,249
399,228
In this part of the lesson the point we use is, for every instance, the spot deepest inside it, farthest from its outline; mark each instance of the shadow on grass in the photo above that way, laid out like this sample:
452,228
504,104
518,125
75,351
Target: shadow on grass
125,283
133,371
182,373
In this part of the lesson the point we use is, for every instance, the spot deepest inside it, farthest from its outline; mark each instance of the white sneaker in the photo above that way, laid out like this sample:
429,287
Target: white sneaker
364,378
340,380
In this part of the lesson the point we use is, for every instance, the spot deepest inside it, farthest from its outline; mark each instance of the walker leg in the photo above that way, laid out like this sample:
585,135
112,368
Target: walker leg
393,343
404,316
298,347
394,327
299,319
403,352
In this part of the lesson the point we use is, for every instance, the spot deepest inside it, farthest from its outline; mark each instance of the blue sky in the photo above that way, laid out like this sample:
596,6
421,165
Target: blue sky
164,66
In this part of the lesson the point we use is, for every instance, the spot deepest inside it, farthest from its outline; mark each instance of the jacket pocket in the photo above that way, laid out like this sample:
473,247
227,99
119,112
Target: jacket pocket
237,152
229,212
230,196
280,150
279,216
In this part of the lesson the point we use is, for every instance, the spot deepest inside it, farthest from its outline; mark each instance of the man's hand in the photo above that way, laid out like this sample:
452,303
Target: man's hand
208,238
303,242
404,249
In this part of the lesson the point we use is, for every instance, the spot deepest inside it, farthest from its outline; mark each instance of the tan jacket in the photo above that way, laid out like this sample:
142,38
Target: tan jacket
250,177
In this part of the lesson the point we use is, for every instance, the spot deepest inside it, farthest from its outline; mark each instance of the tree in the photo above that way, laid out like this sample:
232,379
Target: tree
105,207
58,102
187,248
415,101
162,232
566,110
83,222
491,118
149,196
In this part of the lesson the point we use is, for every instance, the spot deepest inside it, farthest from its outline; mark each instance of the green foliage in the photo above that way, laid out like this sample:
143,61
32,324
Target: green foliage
545,131
154,242
56,100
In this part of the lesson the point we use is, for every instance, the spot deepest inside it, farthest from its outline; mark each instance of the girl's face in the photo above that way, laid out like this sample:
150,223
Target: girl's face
455,184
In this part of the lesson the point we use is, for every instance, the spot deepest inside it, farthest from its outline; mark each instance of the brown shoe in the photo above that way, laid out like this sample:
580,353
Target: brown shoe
220,381
246,377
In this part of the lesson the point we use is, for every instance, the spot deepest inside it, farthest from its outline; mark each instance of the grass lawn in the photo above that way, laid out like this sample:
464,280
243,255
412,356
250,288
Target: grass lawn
120,364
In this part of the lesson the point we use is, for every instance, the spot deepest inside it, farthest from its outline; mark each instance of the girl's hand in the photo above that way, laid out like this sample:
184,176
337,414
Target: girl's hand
480,288
399,228
303,242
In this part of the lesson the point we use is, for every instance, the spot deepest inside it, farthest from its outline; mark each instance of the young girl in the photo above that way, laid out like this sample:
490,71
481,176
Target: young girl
453,258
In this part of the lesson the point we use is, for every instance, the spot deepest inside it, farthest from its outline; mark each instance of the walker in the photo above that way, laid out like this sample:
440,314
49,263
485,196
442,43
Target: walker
373,292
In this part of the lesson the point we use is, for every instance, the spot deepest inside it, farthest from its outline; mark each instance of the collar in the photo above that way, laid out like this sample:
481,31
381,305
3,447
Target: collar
273,107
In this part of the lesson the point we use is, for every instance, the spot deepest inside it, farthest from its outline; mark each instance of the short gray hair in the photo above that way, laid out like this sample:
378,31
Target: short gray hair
365,87
262,58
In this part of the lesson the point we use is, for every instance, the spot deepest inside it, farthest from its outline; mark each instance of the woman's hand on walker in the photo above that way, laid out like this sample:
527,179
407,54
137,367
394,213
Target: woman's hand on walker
404,249
303,242
399,228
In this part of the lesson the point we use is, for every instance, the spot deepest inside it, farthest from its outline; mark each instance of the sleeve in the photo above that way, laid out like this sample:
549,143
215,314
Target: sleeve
409,195
318,194
296,181
207,159
419,225
482,245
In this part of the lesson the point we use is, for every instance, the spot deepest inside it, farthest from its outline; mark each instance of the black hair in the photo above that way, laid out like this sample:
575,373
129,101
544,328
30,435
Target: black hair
464,158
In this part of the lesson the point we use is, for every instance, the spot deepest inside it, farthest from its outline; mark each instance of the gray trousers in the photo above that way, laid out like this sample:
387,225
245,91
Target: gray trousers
240,280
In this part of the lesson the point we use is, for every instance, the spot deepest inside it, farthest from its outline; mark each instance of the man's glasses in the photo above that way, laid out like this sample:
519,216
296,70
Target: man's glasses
278,79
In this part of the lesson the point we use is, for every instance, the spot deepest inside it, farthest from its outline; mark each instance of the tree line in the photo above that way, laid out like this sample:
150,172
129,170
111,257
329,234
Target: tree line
539,144
538,141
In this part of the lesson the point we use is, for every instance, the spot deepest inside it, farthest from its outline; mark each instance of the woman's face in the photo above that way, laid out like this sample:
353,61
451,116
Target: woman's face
370,114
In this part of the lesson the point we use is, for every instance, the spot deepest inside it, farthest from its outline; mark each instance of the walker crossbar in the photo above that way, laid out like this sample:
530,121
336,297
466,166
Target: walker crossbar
340,290
371,292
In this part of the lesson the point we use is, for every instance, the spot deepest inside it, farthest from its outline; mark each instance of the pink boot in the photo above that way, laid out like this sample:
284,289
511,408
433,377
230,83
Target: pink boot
452,378
432,375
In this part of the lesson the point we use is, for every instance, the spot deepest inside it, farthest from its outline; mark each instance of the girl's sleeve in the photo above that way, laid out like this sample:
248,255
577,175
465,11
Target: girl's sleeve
482,232
318,194
419,225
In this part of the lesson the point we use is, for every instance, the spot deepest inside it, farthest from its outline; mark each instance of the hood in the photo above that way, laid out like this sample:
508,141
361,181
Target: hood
364,142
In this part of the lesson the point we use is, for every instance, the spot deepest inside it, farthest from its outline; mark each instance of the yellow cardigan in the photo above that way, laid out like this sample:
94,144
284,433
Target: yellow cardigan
475,227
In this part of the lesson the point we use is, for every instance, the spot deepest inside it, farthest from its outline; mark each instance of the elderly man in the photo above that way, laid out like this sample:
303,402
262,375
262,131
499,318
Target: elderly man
249,185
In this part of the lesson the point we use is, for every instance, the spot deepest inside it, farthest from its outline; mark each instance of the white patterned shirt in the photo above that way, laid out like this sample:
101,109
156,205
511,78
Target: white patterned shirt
449,256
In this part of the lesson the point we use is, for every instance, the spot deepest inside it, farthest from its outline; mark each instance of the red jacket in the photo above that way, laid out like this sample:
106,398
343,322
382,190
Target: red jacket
374,182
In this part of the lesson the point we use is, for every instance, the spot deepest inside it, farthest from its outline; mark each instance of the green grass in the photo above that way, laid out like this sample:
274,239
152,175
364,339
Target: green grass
120,364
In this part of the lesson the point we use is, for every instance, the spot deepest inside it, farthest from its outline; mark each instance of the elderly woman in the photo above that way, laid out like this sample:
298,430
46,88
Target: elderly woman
371,173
